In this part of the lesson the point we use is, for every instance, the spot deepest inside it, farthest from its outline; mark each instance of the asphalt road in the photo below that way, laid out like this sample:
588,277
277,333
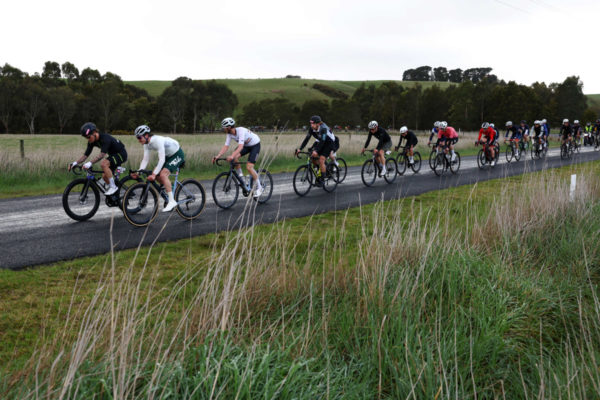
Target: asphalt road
36,230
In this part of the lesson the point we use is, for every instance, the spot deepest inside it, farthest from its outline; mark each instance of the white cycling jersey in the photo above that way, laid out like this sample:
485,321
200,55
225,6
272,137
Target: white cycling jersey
165,146
243,136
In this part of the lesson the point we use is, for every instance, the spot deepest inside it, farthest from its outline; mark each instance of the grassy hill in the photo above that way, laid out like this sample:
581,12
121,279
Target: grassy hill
593,100
296,90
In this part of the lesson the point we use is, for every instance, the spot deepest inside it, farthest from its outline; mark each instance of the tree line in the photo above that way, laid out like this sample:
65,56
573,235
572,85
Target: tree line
61,98
426,73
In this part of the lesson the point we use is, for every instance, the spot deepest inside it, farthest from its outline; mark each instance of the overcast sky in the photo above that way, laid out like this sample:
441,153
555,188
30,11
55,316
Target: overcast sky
522,40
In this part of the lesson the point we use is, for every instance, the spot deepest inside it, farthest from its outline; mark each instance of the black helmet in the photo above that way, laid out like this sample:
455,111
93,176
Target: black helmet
87,129
315,119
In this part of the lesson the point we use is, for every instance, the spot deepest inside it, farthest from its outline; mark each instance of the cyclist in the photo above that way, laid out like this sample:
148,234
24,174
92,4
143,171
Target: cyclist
248,143
411,142
447,136
108,145
576,130
538,132
170,158
489,133
514,135
596,130
434,132
524,132
323,146
588,135
384,144
546,128
566,131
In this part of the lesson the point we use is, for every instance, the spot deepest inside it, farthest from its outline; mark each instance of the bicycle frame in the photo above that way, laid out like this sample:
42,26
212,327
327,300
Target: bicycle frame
236,178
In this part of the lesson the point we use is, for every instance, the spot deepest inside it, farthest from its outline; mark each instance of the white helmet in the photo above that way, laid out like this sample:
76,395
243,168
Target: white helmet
576,122
436,124
443,125
544,121
404,129
485,125
227,122
565,121
537,122
373,124
492,125
508,123
141,130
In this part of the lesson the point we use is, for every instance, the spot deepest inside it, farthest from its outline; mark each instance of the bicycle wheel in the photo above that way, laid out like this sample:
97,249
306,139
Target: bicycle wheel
390,166
368,173
191,198
416,165
302,180
439,165
266,181
140,204
509,154
81,199
332,177
401,164
564,152
455,165
343,169
432,157
517,153
124,184
225,190
481,159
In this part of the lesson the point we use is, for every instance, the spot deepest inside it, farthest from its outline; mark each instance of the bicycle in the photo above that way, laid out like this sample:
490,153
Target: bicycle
511,150
306,176
443,161
81,197
226,186
566,149
342,167
371,169
538,150
484,156
140,202
403,159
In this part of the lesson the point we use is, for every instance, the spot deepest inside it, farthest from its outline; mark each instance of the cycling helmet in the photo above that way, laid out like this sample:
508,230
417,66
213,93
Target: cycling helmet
537,122
315,119
576,122
87,129
443,125
589,123
565,121
227,123
141,130
436,124
508,123
373,125
544,121
485,125
404,129
492,126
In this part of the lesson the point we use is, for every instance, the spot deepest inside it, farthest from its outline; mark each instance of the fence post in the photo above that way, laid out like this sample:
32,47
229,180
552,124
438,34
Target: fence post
22,146
276,143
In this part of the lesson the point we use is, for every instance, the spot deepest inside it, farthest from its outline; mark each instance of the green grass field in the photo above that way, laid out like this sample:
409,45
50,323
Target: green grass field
484,291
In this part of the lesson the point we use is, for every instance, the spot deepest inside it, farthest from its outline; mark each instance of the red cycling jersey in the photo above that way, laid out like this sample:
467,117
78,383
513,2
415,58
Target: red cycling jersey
489,133
448,133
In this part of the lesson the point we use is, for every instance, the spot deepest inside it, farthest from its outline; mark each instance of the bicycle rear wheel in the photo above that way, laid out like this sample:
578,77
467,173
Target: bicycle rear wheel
332,177
140,204
455,165
416,165
390,166
343,168
266,181
303,180
368,173
81,199
191,198
225,190
439,164
509,154
401,164
432,157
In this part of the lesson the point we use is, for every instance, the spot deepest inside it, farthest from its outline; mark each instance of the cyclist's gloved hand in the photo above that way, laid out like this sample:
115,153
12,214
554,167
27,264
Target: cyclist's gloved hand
73,164
87,165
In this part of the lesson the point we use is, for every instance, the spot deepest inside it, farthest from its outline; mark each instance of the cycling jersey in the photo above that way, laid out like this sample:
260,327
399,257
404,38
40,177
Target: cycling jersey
434,132
448,133
379,134
546,129
523,130
411,139
489,133
243,136
165,146
566,130
538,131
107,144
514,133
588,129
576,129
324,137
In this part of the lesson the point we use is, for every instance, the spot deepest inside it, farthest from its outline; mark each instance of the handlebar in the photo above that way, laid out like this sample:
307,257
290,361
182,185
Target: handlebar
306,153
232,162
78,170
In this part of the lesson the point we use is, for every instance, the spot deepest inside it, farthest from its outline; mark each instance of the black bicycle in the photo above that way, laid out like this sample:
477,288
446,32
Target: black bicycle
538,150
140,202
403,161
444,161
226,186
514,151
484,157
567,148
81,197
341,166
306,176
371,169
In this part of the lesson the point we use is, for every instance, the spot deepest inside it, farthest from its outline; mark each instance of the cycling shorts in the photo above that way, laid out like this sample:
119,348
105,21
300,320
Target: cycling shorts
449,141
253,150
117,159
384,145
173,163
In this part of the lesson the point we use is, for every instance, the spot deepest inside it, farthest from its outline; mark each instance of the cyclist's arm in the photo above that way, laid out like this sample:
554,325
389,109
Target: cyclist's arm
306,139
237,150
146,158
480,133
368,140
161,160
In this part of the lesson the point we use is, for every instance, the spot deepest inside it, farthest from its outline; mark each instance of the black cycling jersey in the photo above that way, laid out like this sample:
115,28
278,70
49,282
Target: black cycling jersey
566,130
537,130
107,144
411,139
380,134
322,137
512,130
576,129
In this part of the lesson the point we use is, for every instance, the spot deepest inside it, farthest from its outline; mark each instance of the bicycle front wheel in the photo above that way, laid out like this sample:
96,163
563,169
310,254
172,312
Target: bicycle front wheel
439,164
81,199
401,164
509,153
332,177
266,181
368,173
455,165
416,165
391,170
481,159
432,157
224,190
302,180
191,198
140,204
343,168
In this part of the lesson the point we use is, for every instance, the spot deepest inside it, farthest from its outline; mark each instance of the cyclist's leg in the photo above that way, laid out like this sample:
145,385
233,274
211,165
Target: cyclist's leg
254,151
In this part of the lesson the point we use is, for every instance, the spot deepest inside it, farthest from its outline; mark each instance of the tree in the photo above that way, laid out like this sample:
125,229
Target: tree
8,94
8,71
314,107
387,103
51,75
70,72
455,75
571,102
63,103
174,101
440,74
32,101
109,99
